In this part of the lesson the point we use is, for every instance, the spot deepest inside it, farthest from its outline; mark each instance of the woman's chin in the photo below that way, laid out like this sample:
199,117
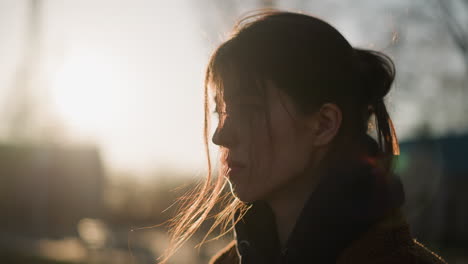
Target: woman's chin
242,193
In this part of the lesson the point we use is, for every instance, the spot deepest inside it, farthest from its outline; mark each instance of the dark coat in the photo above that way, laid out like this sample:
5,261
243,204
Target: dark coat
387,242
353,216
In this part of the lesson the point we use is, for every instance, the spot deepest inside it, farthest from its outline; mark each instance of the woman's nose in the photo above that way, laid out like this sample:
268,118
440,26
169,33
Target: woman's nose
223,136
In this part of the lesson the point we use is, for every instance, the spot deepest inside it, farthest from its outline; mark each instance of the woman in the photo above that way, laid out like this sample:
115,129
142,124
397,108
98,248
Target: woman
307,183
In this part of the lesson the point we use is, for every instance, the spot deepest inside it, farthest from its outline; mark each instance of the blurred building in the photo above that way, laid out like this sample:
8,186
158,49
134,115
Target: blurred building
435,176
46,190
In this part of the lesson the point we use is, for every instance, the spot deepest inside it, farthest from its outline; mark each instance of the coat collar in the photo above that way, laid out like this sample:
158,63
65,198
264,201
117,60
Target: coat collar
348,200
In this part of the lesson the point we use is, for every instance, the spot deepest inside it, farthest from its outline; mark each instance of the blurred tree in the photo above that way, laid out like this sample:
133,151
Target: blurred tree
217,17
25,106
454,14
20,103
430,79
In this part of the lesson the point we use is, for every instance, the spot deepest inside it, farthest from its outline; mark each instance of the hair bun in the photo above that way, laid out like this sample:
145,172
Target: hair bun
376,72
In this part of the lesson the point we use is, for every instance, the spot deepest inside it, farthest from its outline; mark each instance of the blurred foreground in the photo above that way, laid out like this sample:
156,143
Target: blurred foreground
58,206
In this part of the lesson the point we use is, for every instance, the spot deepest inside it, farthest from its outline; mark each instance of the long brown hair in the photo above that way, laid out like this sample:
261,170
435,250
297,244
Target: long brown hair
313,64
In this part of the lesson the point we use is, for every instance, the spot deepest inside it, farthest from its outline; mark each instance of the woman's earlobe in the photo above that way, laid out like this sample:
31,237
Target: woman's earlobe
327,124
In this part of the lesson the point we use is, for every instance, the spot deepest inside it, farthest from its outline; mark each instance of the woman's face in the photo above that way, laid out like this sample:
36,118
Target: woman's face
257,165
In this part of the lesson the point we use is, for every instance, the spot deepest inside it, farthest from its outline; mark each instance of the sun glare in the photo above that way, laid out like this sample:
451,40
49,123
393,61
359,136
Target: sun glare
83,93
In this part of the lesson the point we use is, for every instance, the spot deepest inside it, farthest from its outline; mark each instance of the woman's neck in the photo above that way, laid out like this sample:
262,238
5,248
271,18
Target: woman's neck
288,202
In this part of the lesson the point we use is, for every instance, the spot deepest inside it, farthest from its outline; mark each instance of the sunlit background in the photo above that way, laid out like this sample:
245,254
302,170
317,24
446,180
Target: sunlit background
102,117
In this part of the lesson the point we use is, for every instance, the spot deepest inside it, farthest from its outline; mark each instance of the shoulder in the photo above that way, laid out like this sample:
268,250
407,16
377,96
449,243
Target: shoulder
227,255
419,251
389,241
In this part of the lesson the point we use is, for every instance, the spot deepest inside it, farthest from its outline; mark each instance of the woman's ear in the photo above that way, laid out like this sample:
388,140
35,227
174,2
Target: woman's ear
325,124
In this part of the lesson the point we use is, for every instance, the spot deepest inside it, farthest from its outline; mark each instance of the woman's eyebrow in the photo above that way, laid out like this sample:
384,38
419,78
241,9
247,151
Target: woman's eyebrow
237,98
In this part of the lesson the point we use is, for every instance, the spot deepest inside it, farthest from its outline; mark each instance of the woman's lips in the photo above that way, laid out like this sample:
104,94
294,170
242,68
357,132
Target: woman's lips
234,167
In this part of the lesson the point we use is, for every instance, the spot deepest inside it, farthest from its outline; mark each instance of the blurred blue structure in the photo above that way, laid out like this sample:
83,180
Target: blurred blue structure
435,175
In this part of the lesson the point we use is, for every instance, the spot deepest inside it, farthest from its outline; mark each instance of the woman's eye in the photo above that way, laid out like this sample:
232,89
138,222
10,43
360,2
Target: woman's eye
219,113
239,112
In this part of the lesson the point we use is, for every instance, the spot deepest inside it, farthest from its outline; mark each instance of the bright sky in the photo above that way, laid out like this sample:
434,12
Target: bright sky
132,79
128,74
